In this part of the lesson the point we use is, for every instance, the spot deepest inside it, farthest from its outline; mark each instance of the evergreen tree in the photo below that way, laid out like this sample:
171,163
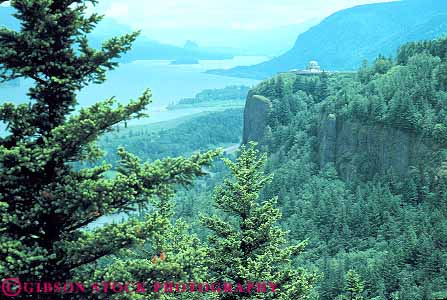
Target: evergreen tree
323,88
298,84
364,73
45,202
280,88
169,255
246,245
353,286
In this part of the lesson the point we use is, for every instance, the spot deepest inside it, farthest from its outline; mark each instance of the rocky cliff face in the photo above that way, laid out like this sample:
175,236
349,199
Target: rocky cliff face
359,150
257,109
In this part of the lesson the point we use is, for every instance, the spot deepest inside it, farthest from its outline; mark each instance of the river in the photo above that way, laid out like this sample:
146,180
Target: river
168,83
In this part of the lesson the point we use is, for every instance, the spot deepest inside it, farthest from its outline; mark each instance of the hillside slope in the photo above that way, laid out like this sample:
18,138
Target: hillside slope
343,40
360,169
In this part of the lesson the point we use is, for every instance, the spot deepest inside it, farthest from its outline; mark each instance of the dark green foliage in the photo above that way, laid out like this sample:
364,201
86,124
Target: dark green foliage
353,287
409,96
247,236
45,203
172,254
174,138
391,230
205,132
433,47
227,93
317,86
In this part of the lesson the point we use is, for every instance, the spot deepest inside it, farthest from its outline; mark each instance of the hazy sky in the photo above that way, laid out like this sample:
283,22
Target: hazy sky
214,22
235,23
236,14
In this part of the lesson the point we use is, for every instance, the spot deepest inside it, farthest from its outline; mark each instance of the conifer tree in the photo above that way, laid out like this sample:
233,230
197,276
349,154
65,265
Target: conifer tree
353,286
246,244
45,202
172,255
280,88
298,84
323,87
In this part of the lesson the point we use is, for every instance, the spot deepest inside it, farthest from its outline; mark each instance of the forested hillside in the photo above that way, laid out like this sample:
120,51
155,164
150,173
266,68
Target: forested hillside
359,164
230,96
360,169
174,138
343,40
338,191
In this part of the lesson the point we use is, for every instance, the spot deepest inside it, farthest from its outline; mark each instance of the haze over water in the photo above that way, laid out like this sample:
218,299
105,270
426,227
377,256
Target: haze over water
168,83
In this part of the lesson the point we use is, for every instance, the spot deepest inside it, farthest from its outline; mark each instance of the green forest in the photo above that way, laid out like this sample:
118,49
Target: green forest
371,228
386,227
343,196
174,138
227,96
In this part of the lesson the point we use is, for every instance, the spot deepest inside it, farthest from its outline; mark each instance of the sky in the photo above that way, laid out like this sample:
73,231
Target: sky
167,20
215,23
236,14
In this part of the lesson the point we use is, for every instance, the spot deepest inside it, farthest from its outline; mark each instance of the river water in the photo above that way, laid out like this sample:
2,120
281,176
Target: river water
169,83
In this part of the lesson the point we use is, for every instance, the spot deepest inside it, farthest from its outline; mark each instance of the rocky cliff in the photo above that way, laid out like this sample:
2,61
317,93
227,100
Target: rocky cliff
359,150
257,109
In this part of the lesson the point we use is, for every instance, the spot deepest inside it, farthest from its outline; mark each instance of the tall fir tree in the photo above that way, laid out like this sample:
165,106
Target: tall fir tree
45,202
323,87
353,287
298,84
280,87
246,244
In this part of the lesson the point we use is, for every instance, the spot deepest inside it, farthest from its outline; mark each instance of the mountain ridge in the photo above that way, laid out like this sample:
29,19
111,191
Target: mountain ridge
143,48
344,39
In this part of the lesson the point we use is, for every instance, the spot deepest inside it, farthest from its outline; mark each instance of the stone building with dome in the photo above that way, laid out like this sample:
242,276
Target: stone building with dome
313,68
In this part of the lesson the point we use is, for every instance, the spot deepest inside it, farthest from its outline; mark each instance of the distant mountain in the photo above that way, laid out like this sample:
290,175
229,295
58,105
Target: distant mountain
143,48
263,42
273,41
191,45
238,39
146,48
343,40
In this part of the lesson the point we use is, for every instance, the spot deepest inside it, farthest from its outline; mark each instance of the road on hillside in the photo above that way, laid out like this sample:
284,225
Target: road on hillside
232,148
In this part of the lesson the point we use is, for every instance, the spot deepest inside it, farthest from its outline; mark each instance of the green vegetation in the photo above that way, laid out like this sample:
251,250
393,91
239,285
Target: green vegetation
388,228
353,287
247,237
182,137
204,132
409,95
49,194
45,202
230,96
374,223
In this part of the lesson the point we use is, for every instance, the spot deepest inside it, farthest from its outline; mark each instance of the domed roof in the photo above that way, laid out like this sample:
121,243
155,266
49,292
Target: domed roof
313,65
